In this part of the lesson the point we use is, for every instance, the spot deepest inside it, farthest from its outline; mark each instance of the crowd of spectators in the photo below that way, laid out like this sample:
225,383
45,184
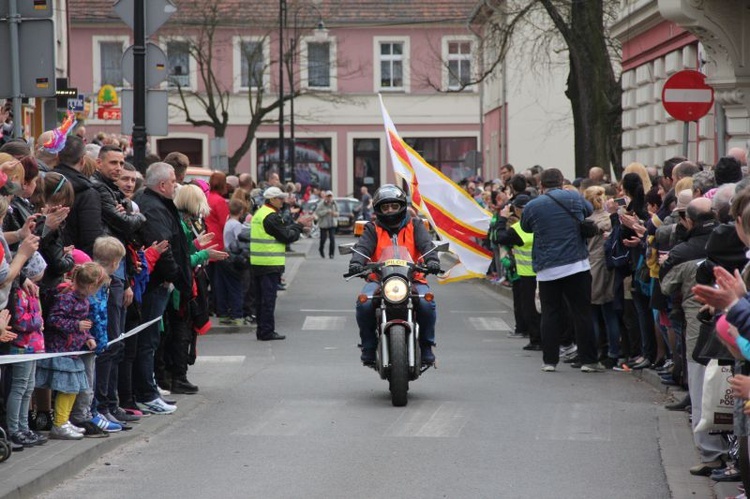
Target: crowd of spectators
663,254
90,250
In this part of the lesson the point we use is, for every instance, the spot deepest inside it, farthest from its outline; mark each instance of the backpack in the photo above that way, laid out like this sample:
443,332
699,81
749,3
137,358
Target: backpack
239,250
616,254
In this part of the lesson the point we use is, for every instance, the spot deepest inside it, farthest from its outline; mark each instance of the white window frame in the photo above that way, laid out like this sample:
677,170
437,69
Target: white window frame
406,63
96,62
447,57
237,61
203,137
333,87
192,70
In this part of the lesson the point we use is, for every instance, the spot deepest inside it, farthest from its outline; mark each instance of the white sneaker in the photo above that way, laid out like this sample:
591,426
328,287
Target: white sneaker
64,432
593,368
157,406
75,428
163,392
548,368
568,351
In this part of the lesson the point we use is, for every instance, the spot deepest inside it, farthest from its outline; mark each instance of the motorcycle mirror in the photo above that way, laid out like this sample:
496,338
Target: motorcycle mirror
346,249
439,247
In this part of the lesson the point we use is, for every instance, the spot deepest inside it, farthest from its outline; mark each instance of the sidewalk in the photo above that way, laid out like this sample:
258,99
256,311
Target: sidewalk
37,469
678,453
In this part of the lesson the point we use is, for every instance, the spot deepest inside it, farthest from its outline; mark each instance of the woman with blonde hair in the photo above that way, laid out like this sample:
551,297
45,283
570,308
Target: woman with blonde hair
171,374
602,278
641,171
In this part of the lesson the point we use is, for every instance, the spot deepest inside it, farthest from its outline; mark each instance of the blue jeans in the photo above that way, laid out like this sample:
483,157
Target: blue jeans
108,362
19,397
607,312
426,317
154,305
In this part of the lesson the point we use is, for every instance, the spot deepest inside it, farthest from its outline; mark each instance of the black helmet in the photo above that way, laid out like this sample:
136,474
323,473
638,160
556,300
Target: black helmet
389,193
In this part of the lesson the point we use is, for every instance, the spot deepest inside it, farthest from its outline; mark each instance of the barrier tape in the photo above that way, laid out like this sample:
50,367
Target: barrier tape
25,357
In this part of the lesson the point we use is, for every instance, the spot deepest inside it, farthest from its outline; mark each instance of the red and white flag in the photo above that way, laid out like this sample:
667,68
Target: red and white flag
456,216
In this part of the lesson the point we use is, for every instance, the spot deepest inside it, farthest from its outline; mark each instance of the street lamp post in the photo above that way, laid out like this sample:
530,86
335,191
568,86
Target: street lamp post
282,22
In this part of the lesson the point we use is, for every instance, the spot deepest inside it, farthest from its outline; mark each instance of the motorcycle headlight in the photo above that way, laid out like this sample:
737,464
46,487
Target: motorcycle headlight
395,290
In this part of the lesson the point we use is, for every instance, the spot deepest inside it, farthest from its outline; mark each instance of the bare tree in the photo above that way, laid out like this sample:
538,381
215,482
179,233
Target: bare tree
593,84
207,31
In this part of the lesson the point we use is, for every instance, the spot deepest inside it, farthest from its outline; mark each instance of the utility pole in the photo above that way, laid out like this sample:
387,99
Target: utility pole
282,159
139,86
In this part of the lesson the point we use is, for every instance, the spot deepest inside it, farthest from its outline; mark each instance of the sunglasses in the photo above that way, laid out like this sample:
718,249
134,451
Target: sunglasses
390,207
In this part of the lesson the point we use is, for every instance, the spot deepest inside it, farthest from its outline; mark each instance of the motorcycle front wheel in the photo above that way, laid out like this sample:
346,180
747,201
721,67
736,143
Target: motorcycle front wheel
399,375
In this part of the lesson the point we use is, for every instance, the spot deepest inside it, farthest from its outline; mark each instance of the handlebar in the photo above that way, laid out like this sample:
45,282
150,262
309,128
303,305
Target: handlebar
375,266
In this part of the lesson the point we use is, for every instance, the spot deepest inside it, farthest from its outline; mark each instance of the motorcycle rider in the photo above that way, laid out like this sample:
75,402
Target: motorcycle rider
389,206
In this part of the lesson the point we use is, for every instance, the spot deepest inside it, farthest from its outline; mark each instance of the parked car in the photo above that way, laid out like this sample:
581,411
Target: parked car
349,210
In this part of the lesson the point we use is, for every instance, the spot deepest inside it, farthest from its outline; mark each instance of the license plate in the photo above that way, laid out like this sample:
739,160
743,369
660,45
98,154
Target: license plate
343,221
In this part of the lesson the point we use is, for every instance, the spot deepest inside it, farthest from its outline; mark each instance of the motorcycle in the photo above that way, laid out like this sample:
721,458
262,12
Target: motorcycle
398,355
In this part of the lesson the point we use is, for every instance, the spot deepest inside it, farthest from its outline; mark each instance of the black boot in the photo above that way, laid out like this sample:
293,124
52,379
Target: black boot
181,385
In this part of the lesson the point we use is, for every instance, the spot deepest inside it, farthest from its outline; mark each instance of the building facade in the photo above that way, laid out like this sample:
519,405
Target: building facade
344,55
662,37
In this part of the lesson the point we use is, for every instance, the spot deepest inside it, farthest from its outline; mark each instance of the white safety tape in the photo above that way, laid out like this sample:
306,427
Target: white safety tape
25,357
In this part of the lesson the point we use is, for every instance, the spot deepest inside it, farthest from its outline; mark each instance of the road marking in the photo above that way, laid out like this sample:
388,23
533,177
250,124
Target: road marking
293,417
220,359
576,422
323,323
428,419
488,324
480,312
328,311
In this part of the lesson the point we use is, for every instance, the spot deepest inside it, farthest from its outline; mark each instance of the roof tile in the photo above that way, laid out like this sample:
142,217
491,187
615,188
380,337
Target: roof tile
332,12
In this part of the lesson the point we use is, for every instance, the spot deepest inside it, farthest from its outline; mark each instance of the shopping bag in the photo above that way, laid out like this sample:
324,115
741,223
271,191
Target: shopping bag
717,406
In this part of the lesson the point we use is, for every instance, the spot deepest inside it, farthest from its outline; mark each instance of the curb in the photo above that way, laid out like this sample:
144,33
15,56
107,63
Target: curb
39,469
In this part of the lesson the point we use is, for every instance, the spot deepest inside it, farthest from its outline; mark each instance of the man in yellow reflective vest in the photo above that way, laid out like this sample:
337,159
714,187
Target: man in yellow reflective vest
269,236
513,236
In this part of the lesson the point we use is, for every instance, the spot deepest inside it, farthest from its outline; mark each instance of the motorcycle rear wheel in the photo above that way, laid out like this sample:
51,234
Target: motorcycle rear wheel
399,372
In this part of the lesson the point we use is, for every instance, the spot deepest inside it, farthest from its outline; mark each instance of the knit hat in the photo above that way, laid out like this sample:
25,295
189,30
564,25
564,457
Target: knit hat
80,257
683,199
35,266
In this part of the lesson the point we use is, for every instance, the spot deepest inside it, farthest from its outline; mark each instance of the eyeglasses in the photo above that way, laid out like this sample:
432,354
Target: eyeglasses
390,207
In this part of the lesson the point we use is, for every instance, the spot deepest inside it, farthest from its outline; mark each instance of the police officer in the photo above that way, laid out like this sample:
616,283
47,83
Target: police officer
269,236
389,205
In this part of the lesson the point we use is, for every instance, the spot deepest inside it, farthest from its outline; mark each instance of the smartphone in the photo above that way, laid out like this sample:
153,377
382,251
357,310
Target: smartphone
621,201
39,227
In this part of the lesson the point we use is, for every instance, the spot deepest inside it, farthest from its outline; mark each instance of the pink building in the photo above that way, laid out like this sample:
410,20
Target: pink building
412,54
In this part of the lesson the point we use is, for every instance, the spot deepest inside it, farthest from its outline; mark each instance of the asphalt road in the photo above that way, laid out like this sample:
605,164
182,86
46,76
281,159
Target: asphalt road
303,418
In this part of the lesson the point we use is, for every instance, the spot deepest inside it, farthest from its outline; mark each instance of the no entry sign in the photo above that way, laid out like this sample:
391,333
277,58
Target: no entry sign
686,97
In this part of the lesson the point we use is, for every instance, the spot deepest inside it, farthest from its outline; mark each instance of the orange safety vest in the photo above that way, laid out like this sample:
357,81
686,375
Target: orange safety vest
405,238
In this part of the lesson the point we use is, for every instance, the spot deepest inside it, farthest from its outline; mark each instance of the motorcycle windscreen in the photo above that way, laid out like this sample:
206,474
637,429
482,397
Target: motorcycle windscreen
395,256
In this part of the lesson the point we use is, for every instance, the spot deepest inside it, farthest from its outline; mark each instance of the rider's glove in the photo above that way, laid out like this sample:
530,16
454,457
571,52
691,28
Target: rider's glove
433,266
355,268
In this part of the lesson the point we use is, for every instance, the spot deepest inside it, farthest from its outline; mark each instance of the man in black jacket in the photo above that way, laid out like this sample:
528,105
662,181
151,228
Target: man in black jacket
122,225
84,224
173,267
